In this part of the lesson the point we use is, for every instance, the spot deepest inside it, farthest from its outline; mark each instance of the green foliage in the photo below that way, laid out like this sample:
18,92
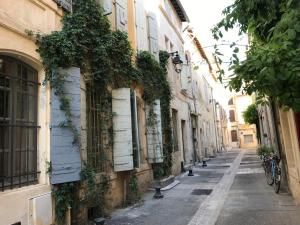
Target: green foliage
251,114
272,66
49,167
165,102
264,151
105,57
154,77
133,195
86,41
66,194
63,195
93,194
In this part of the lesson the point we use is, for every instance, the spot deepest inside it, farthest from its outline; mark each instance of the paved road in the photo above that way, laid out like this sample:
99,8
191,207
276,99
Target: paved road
240,196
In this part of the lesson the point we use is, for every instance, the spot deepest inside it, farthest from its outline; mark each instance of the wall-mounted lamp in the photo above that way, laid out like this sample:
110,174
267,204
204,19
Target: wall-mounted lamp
176,60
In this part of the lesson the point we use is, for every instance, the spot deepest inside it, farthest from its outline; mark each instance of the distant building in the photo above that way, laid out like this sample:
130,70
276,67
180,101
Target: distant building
242,135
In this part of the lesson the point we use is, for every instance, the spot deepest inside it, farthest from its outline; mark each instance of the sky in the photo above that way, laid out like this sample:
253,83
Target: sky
203,15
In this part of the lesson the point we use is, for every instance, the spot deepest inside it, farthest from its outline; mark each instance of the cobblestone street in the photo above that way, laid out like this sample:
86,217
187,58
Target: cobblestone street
240,196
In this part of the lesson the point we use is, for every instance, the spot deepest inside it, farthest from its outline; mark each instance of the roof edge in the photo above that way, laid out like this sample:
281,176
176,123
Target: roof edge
180,10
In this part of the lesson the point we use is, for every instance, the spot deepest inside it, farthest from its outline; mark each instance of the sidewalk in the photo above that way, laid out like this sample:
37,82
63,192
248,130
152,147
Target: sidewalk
251,201
181,202
231,191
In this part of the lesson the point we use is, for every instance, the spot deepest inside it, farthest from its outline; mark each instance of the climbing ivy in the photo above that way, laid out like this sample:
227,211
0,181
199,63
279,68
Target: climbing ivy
154,77
272,65
105,58
63,195
86,41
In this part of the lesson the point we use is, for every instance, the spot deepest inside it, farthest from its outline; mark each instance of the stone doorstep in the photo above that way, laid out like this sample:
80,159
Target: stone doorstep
163,182
169,187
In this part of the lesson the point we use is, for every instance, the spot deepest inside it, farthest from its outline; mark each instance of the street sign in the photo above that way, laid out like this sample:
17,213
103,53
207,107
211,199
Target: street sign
66,4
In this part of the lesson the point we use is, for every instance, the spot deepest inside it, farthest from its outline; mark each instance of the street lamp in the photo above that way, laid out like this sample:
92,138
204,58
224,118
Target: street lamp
176,60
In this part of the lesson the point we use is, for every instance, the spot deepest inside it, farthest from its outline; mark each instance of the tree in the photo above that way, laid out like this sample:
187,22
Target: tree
251,114
272,66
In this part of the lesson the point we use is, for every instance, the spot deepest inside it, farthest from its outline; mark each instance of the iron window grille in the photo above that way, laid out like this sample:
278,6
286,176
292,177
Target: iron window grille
99,129
18,124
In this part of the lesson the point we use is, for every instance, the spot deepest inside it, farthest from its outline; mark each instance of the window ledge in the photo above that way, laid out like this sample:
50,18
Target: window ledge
33,187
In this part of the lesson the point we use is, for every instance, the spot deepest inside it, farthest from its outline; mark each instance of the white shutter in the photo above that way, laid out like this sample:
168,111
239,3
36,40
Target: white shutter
153,34
107,6
140,23
123,154
154,135
121,15
184,75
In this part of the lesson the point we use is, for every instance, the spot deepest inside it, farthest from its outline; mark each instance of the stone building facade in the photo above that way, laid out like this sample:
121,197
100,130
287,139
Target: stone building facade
279,129
242,135
31,138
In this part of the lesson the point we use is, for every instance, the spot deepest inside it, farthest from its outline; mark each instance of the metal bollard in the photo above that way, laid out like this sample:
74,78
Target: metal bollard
190,172
158,194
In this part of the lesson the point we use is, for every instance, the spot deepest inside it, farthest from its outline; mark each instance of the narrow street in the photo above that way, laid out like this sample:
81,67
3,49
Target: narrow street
231,190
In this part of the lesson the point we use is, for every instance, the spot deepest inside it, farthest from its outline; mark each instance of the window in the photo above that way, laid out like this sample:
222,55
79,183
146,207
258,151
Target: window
230,102
232,116
98,128
175,132
18,123
248,138
234,137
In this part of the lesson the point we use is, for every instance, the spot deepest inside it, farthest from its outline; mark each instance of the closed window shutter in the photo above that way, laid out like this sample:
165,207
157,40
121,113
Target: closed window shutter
154,135
140,22
184,76
122,128
65,156
107,6
153,35
121,15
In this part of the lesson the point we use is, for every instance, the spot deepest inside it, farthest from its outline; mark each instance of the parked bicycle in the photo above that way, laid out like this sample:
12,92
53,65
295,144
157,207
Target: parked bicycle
271,165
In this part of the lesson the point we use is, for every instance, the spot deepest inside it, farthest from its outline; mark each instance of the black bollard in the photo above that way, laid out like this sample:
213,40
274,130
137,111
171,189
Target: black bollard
158,194
190,172
204,164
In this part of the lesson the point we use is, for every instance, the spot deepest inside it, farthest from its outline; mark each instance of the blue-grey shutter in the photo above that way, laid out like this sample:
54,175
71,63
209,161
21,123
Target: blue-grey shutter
65,156
121,15
153,35
107,6
141,25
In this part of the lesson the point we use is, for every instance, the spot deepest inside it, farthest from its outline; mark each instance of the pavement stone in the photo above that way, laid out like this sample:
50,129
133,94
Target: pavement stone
240,197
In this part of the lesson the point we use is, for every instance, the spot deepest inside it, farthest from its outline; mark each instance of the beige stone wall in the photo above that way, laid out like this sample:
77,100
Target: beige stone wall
39,16
291,150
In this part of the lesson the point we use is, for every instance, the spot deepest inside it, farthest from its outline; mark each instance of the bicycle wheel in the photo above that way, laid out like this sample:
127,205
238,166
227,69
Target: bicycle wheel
277,179
268,173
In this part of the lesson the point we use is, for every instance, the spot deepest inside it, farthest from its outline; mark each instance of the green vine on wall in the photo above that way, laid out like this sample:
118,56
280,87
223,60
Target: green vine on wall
86,41
67,197
103,56
156,86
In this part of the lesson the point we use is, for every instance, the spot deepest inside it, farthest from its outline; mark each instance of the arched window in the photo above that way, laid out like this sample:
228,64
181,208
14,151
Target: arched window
18,123
230,102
